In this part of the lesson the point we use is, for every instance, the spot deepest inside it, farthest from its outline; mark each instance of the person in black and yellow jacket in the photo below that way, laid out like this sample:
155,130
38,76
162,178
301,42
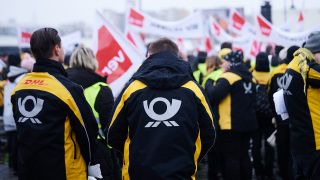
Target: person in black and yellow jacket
275,83
234,93
301,95
162,121
83,66
261,74
55,125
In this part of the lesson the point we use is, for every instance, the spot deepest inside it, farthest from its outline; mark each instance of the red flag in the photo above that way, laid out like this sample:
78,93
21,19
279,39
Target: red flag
264,26
301,17
117,58
237,20
135,18
24,38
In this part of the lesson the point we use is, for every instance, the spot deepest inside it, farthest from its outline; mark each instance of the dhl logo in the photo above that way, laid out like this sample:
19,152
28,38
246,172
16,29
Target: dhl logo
34,82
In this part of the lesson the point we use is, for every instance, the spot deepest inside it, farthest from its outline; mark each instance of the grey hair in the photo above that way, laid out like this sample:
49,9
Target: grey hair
83,57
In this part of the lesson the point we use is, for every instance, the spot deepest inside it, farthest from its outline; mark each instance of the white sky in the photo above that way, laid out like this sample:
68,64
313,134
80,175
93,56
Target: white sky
56,12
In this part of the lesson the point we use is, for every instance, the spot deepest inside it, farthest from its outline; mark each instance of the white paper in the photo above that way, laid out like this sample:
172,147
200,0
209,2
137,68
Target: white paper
279,104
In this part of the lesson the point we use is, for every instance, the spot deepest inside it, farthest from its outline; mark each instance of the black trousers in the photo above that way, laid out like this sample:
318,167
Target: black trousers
263,159
308,164
12,149
214,160
283,151
236,164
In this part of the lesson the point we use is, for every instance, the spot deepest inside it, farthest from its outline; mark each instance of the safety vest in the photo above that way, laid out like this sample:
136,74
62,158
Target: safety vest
91,94
198,74
213,76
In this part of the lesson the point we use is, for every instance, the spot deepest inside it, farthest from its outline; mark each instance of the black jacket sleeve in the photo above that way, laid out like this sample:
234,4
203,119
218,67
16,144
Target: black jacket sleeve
87,132
206,126
103,105
219,91
117,131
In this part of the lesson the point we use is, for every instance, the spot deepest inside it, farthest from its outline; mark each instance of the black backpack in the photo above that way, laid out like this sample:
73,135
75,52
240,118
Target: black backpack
263,105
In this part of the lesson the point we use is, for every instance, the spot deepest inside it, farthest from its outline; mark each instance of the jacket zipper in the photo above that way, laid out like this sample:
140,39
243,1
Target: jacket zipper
75,148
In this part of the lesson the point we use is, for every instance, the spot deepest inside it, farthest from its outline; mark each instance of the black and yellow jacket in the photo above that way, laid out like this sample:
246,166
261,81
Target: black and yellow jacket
56,127
234,93
162,121
275,83
302,98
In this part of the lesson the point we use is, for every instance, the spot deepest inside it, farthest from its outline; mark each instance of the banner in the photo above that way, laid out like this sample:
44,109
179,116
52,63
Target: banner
70,41
117,58
269,33
239,25
189,27
250,46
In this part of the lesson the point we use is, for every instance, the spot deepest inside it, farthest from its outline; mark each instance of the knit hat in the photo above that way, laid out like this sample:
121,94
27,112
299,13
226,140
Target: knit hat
262,62
235,58
290,53
313,42
223,52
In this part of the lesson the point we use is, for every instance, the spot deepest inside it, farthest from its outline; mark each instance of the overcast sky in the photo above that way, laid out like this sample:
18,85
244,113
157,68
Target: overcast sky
56,12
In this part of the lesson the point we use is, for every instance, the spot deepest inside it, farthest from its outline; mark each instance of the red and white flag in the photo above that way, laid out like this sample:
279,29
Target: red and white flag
269,33
300,21
117,58
24,38
137,41
239,25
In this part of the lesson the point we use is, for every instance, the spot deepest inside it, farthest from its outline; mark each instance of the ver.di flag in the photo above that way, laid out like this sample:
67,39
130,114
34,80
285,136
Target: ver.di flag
189,27
117,58
239,25
270,33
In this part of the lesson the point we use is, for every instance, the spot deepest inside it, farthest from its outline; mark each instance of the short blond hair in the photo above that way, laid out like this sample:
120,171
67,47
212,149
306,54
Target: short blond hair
83,57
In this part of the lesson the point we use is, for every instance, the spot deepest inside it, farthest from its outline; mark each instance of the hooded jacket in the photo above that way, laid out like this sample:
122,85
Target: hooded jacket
14,76
234,94
301,95
162,121
56,127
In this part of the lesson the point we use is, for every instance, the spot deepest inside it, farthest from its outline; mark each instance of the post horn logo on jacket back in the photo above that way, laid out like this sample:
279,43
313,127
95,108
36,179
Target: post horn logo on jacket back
37,107
172,109
284,83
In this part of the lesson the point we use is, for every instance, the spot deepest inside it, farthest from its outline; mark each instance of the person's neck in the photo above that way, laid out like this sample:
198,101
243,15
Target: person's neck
54,58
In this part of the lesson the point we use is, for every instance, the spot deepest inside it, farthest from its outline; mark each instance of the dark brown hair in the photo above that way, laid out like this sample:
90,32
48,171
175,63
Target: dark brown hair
163,44
43,41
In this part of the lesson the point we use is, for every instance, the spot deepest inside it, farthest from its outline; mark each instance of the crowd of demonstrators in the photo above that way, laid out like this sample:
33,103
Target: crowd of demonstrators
61,119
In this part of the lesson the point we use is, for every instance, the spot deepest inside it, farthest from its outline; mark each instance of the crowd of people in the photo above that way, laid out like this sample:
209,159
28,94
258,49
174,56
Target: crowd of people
62,122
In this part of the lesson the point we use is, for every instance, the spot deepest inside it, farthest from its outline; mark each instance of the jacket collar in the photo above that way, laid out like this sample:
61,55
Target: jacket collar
50,66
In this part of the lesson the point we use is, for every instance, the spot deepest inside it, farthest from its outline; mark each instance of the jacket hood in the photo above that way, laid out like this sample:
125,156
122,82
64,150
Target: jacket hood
84,77
164,70
242,71
15,72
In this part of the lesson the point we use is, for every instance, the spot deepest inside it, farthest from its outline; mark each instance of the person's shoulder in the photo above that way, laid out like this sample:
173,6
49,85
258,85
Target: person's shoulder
230,77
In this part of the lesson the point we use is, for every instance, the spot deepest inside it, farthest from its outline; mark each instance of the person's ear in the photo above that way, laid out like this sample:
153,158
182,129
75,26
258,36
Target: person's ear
57,50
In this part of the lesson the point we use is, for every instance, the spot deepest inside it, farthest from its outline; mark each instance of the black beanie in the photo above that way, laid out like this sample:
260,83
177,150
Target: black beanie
290,53
235,58
262,62
14,60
